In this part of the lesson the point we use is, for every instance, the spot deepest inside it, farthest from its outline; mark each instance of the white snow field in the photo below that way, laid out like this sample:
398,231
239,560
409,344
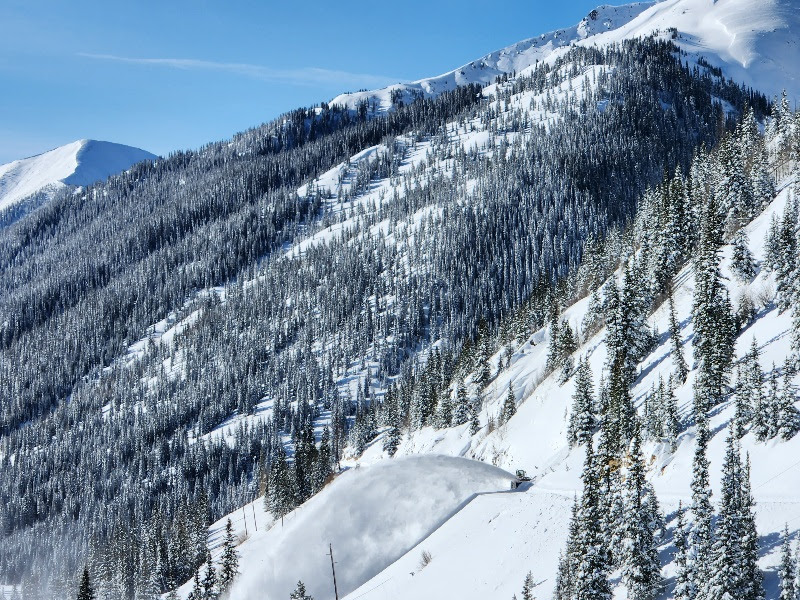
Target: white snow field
371,515
753,41
80,163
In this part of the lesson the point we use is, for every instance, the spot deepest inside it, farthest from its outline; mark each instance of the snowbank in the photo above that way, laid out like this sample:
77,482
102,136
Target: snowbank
371,515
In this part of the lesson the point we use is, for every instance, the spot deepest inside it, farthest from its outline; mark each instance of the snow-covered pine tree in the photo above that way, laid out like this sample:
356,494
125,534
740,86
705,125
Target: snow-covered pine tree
787,571
751,577
641,569
229,561
444,411
681,369
509,406
711,313
462,408
770,404
582,421
591,573
702,511
474,416
786,272
197,587
671,419
743,264
725,575
392,419
299,592
210,590
788,415
85,590
772,245
281,496
684,582
527,587
324,465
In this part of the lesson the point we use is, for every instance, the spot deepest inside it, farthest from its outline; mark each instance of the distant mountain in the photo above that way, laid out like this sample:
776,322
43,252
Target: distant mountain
752,41
80,163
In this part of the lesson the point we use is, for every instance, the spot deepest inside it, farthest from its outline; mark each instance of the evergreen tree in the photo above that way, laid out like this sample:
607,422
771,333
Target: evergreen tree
509,406
671,420
641,569
197,587
85,590
229,562
684,582
210,579
582,421
787,571
527,587
788,415
299,592
725,576
474,414
592,570
461,414
281,488
701,535
751,576
743,264
711,313
681,369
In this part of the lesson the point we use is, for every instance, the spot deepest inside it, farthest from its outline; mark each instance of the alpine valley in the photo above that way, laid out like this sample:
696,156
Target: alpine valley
332,342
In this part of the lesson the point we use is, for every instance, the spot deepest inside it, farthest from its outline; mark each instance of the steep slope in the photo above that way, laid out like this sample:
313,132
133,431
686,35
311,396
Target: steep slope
80,163
513,58
535,439
354,515
752,41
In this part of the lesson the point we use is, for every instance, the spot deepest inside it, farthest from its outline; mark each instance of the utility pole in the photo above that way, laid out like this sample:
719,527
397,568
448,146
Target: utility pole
333,570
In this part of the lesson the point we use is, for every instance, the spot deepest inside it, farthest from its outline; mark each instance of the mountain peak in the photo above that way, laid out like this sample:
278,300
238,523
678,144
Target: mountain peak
81,162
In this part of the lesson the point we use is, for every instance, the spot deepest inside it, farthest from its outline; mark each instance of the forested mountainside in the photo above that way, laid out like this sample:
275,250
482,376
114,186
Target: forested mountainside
264,300
655,408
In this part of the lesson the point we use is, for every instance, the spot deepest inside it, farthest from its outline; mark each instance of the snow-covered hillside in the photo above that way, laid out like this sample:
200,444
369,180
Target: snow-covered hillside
514,58
80,163
371,516
753,41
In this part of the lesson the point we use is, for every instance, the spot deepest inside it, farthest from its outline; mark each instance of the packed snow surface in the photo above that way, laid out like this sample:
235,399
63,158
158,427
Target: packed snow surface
80,163
371,515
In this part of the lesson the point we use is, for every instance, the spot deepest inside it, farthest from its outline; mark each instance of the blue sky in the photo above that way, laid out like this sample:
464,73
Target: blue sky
176,74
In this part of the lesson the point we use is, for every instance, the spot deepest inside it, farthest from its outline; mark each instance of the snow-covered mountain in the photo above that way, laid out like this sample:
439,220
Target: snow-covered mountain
220,366
753,41
79,163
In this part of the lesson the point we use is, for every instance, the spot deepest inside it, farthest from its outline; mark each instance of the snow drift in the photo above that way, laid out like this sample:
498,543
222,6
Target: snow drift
371,515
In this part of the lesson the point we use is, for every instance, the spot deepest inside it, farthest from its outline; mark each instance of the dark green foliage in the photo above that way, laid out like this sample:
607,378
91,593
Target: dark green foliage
85,590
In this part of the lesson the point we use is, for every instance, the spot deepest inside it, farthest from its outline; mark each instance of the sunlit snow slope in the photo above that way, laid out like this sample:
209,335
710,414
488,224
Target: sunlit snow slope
513,58
79,163
753,41
372,516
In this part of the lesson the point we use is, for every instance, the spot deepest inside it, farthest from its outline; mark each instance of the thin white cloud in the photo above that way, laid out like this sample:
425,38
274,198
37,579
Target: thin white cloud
304,76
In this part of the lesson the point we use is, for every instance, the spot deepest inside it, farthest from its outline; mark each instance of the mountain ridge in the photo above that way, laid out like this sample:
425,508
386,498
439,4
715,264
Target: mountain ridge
78,163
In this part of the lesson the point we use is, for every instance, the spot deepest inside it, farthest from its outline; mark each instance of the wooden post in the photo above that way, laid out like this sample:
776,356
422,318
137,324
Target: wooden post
244,514
254,516
333,570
